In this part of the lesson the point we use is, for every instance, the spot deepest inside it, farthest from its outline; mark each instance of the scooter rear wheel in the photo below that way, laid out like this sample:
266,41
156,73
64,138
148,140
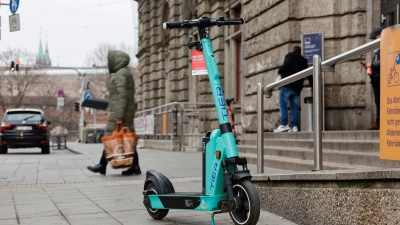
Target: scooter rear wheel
249,211
157,214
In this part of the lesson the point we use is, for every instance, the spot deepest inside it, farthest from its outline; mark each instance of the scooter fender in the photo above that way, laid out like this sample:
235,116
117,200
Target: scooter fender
162,184
239,175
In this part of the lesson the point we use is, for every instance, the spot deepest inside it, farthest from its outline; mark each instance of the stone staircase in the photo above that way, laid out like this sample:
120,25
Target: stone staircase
341,150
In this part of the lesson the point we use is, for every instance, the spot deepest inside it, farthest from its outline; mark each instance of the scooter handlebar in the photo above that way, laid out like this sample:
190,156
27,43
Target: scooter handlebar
171,25
203,22
227,21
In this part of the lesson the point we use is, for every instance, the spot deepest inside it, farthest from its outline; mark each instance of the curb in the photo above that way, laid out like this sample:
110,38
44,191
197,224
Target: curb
75,152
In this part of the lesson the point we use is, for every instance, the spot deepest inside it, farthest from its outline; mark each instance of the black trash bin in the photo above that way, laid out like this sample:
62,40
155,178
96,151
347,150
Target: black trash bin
306,114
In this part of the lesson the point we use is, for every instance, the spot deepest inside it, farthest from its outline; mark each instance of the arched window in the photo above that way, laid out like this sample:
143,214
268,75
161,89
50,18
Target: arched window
164,18
189,9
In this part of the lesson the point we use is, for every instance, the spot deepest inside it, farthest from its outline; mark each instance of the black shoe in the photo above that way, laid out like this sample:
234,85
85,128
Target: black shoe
98,168
133,170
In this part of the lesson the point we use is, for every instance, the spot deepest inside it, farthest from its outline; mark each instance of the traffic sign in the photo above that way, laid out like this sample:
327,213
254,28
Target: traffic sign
14,4
14,22
60,101
87,95
60,93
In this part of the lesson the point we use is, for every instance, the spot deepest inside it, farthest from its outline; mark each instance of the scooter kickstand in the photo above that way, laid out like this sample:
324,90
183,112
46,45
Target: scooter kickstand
212,217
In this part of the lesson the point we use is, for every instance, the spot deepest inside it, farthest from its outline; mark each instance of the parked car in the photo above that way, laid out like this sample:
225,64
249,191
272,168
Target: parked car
24,128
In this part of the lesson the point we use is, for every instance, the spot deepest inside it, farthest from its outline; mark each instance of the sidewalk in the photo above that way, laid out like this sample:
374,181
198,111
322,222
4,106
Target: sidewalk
172,164
58,189
183,169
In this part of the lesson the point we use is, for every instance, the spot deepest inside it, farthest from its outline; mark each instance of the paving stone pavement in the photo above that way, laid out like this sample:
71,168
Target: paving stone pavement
58,189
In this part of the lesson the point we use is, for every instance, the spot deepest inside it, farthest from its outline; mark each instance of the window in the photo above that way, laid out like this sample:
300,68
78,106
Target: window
238,62
233,55
390,13
26,116
237,12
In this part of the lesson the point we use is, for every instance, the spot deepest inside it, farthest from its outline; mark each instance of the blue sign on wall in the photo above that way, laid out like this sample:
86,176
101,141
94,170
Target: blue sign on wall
87,95
312,45
14,4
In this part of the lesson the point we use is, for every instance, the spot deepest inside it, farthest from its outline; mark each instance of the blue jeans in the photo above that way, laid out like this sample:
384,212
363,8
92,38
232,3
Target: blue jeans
287,94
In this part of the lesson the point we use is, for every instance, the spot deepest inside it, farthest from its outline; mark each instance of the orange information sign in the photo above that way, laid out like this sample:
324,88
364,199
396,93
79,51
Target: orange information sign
198,63
164,124
390,94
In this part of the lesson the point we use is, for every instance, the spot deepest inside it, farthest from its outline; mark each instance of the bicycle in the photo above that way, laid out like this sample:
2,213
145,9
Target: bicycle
225,188
393,73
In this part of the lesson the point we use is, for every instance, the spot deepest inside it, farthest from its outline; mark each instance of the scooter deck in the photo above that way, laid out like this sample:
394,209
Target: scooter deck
183,194
184,200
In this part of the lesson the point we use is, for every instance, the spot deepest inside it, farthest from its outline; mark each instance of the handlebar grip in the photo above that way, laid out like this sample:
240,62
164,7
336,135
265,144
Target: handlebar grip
171,25
233,21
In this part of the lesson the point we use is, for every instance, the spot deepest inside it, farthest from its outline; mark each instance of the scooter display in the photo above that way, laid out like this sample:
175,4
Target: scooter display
226,180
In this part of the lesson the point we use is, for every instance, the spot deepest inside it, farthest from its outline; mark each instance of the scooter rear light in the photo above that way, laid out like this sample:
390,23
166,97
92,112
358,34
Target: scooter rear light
4,142
43,142
6,127
43,128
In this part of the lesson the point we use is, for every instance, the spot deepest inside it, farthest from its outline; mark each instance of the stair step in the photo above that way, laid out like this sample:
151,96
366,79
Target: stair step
329,135
340,148
335,156
301,165
343,145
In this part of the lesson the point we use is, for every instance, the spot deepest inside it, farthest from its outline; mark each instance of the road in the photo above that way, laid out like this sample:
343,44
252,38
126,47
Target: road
58,189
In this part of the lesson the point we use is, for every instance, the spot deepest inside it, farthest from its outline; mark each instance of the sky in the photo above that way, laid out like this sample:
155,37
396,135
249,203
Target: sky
72,28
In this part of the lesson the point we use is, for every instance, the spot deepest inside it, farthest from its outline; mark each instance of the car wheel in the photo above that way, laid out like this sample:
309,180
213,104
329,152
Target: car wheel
46,149
3,150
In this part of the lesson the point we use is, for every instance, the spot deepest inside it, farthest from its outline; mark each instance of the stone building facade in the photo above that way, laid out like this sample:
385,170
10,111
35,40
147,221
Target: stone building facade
252,53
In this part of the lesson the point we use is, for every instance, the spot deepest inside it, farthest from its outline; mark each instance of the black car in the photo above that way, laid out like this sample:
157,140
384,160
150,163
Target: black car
24,128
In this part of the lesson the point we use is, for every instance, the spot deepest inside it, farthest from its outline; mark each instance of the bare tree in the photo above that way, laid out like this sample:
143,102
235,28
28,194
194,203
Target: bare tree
98,58
46,88
14,85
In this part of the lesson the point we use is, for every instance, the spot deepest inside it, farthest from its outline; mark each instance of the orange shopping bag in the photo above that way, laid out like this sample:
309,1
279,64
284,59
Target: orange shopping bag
114,149
129,142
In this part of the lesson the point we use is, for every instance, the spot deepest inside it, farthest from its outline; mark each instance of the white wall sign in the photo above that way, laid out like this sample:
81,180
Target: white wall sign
144,125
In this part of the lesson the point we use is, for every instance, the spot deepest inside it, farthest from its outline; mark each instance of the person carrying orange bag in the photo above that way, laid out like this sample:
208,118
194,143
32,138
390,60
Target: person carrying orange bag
121,114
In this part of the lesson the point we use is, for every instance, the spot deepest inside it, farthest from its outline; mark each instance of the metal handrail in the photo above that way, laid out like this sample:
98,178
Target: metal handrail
316,71
344,57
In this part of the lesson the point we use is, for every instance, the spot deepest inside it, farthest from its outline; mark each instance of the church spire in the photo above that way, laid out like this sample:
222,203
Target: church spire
43,58
40,54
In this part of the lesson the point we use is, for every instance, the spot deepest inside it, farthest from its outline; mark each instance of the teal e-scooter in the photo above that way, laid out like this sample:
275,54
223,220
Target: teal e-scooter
225,187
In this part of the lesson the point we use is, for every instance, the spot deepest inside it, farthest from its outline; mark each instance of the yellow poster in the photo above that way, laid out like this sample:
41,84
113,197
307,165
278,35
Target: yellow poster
390,94
164,124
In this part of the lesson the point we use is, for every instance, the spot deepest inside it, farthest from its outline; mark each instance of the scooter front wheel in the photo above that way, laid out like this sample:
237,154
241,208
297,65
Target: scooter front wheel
249,211
157,214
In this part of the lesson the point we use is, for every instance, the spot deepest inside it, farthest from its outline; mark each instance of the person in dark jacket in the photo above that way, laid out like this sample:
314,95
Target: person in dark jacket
122,108
294,63
375,75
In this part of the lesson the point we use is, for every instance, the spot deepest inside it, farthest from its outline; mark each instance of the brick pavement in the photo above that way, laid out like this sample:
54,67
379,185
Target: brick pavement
58,189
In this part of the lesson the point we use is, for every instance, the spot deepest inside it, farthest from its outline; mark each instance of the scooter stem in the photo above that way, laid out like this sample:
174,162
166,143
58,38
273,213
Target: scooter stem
218,95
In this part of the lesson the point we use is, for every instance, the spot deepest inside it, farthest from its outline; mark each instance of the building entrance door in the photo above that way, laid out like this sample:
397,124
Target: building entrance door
390,13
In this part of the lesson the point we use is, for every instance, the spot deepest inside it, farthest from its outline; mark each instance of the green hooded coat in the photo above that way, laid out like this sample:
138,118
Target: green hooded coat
121,92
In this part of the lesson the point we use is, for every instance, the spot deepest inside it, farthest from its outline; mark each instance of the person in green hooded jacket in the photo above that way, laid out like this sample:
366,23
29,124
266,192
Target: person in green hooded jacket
121,104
